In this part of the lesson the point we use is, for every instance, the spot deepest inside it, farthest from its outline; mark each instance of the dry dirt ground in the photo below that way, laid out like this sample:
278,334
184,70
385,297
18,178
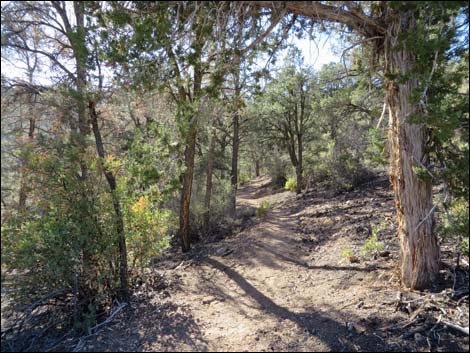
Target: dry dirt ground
282,284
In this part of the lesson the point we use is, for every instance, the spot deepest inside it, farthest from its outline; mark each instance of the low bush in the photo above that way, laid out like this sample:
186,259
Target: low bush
373,246
291,184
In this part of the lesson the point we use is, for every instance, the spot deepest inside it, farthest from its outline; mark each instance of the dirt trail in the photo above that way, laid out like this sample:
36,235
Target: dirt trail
279,285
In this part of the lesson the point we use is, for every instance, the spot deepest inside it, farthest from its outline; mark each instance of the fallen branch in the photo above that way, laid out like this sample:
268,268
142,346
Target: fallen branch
94,330
113,314
456,327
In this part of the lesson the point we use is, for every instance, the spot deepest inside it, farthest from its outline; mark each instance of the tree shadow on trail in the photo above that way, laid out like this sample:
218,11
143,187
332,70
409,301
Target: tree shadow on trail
326,328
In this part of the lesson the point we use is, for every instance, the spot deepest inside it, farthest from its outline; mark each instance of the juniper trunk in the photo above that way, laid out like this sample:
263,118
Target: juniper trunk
187,179
235,143
210,167
413,197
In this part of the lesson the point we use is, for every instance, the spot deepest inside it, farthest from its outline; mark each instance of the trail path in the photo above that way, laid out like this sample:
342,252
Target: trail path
279,285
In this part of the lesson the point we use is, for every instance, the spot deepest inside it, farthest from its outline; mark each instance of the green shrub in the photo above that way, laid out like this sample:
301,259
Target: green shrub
340,169
455,224
376,151
67,241
147,232
373,246
291,184
347,172
243,179
278,166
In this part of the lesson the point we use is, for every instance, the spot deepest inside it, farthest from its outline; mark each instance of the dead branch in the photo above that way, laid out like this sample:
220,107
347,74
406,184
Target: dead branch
456,327
94,330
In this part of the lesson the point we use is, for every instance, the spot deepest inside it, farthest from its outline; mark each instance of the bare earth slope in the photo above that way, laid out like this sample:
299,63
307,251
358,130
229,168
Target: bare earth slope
281,284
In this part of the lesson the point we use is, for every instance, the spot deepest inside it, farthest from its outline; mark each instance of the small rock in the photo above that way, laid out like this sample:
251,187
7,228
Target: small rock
207,300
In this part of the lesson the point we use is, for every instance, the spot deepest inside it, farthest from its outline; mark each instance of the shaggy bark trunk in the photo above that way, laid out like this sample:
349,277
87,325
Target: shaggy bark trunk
236,121
299,167
223,146
210,165
234,171
123,273
235,143
413,197
187,178
257,168
299,129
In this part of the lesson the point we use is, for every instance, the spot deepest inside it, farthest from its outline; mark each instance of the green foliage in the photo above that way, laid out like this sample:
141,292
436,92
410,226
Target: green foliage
152,162
455,223
263,209
375,151
422,173
344,141
346,253
373,245
219,223
278,166
147,231
346,171
67,240
440,43
243,178
291,184
66,237
150,178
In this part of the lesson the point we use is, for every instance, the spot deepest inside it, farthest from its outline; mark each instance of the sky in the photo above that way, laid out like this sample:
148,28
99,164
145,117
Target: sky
319,53
316,53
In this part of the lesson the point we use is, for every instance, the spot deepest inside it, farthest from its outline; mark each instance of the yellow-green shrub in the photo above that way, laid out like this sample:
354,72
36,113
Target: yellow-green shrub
291,184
